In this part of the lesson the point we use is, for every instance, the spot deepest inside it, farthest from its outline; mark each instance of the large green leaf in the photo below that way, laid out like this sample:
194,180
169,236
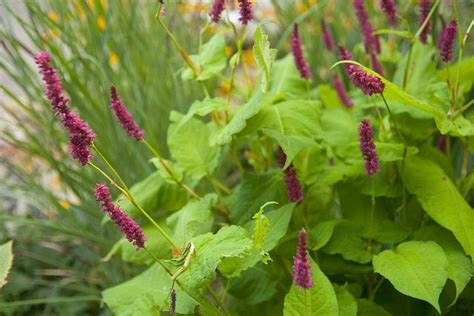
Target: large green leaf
440,199
318,300
154,193
229,241
239,120
285,81
264,57
346,302
369,308
417,269
322,233
189,146
254,191
293,124
459,265
6,261
204,107
193,219
146,294
211,59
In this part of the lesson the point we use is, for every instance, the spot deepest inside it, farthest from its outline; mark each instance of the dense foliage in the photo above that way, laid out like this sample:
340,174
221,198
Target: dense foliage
348,193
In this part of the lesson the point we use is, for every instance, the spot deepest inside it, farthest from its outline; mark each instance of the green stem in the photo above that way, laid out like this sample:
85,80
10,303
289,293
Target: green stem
218,301
427,19
407,67
168,170
98,169
393,120
183,53
371,220
461,50
129,195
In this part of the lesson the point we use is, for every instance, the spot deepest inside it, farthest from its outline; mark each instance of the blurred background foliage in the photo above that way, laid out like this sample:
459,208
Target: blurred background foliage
46,204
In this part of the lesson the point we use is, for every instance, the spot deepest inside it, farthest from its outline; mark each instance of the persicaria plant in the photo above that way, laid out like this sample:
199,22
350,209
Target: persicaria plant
315,189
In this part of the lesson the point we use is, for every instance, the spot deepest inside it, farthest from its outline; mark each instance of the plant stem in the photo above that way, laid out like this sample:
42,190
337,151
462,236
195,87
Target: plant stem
407,67
183,53
129,195
371,220
218,301
394,120
168,170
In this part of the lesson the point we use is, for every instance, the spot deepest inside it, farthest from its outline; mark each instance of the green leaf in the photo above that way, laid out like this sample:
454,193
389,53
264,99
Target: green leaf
440,199
329,97
465,74
229,241
6,261
152,193
417,269
204,107
189,146
262,226
294,125
193,219
239,120
323,232
264,57
147,294
177,172
278,221
318,300
255,190
459,265
345,301
285,81
369,308
211,59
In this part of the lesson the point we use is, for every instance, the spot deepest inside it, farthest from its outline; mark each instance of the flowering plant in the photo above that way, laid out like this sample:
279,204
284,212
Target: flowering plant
287,194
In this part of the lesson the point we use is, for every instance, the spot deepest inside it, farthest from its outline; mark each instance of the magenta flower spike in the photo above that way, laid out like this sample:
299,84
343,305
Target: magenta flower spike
425,7
124,117
293,186
298,56
246,13
302,275
367,83
173,302
130,229
216,10
327,37
446,41
81,136
389,7
367,148
371,42
341,92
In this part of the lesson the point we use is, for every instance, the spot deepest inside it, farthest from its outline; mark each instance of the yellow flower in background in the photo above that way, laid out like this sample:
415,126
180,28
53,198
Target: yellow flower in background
113,59
91,4
53,16
101,23
248,57
65,204
104,3
229,50
312,2
192,8
301,8
80,10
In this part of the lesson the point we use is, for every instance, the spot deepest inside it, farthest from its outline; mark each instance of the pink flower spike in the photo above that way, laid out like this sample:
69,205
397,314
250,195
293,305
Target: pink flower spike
293,186
302,275
367,148
371,42
341,92
81,136
216,10
298,56
124,117
446,41
246,13
130,229
390,9
327,37
425,7
367,83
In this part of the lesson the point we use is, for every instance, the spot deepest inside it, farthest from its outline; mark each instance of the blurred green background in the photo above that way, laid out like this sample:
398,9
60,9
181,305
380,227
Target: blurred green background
46,201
